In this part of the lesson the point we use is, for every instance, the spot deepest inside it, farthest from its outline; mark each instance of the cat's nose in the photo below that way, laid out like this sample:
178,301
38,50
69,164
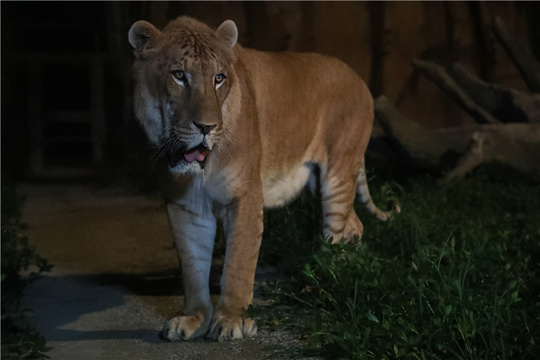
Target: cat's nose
205,129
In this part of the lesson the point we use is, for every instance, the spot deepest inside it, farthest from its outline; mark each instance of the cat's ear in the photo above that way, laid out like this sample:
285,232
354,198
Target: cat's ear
228,32
140,34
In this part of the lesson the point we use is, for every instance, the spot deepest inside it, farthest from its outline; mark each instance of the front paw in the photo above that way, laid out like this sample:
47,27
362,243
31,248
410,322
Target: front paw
225,327
184,328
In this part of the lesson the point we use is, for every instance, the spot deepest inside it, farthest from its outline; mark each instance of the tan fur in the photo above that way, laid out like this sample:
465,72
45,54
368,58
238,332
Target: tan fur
275,117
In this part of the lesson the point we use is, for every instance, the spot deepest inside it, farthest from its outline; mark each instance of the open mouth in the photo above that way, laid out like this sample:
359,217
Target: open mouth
198,153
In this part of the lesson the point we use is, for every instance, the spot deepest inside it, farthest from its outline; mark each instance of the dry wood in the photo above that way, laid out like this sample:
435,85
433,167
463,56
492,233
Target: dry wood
486,103
441,77
504,104
516,145
416,143
513,145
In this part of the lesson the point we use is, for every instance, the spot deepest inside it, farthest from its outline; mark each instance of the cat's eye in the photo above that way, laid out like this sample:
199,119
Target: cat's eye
219,78
179,75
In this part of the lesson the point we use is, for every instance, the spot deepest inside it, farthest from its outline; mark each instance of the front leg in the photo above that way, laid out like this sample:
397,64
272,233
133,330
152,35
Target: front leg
243,225
194,230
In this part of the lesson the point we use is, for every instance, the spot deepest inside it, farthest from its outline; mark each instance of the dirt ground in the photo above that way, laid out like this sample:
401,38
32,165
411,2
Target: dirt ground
115,278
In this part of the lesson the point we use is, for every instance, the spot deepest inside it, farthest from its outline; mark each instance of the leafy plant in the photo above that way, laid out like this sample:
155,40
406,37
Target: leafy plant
18,340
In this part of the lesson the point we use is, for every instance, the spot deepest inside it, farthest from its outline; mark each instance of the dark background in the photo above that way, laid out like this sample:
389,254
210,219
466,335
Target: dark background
66,66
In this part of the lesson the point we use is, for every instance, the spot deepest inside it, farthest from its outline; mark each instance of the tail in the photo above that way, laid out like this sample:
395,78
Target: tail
362,190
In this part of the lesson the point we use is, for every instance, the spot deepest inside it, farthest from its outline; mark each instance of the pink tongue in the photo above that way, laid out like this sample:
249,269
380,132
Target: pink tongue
195,155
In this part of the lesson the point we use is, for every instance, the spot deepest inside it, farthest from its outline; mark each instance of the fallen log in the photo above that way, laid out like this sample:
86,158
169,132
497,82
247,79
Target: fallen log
508,129
415,144
513,145
457,151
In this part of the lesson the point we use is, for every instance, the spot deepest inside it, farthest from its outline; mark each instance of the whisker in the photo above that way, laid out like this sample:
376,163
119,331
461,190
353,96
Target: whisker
169,144
159,153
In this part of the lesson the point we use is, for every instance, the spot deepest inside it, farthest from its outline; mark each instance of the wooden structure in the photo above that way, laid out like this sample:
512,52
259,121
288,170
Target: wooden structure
378,40
80,131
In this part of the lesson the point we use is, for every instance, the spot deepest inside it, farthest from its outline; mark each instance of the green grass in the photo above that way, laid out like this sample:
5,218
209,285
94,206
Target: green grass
454,276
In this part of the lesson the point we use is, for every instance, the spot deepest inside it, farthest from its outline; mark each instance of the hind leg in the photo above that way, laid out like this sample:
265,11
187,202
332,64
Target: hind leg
339,218
354,227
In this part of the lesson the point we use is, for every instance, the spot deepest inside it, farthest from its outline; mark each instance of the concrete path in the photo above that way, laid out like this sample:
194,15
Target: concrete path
115,278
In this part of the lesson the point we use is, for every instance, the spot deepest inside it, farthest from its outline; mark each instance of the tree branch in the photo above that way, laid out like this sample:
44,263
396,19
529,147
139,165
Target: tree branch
444,80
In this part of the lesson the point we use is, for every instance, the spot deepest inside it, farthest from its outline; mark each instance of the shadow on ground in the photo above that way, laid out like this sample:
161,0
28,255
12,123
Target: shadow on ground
115,280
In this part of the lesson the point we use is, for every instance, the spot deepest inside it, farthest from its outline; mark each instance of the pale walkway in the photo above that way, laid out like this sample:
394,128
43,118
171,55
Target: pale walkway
115,278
